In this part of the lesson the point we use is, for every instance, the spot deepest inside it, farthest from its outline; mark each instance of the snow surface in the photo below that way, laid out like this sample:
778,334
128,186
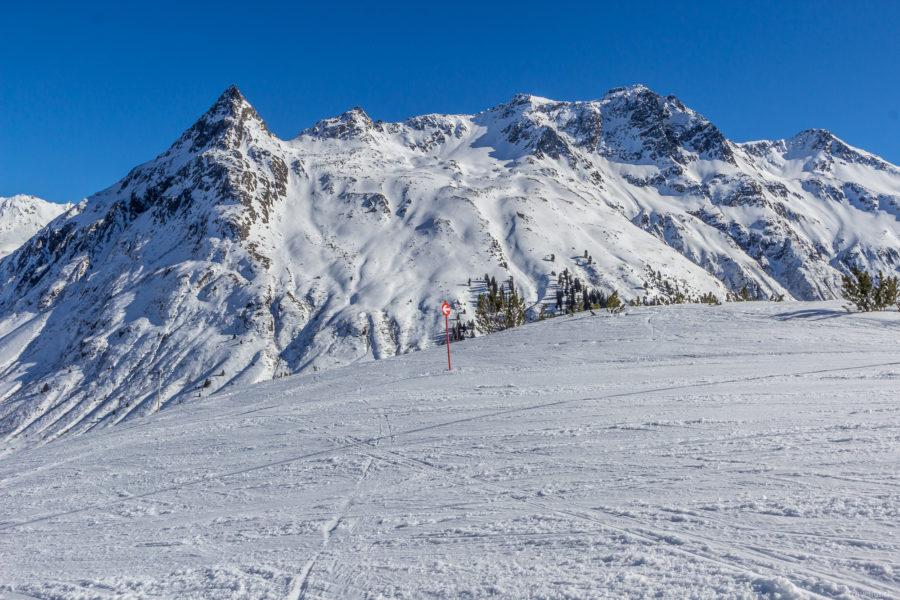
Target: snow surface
742,451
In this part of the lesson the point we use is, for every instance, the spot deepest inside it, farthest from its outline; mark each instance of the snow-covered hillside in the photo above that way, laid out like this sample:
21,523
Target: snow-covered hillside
21,217
742,451
236,256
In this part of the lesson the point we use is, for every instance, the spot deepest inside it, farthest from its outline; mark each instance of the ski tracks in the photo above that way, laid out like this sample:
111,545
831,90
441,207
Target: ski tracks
301,582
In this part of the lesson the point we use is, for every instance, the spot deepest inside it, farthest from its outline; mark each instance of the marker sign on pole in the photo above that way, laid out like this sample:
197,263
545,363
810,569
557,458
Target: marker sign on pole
445,308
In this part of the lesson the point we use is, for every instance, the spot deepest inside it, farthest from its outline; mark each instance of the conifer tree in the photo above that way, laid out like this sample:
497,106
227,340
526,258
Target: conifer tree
858,288
613,301
886,292
486,313
545,312
514,309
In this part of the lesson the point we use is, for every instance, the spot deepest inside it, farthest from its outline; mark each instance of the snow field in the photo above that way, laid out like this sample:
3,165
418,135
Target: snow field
744,451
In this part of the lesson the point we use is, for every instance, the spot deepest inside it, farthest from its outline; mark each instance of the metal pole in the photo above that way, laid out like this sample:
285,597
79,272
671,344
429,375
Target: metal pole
447,326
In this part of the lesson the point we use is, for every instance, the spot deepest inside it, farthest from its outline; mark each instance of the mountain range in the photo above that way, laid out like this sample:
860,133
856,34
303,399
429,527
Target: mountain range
236,256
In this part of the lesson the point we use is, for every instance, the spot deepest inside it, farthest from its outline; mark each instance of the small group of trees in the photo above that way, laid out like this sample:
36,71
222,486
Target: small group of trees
502,306
462,330
499,309
870,293
573,296
673,293
746,296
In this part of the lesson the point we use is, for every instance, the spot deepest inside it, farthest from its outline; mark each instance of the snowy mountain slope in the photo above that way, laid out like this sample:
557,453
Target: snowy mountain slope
236,256
741,451
22,216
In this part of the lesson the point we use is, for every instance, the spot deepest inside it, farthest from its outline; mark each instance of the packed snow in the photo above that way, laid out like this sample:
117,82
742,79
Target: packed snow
748,450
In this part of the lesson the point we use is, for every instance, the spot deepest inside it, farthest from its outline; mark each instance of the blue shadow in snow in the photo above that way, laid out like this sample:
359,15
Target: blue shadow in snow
812,314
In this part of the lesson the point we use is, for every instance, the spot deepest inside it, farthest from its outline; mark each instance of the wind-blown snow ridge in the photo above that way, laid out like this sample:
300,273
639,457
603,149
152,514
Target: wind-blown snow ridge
236,256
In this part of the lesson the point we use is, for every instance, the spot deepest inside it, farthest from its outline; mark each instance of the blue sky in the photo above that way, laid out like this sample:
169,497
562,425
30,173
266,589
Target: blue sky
88,90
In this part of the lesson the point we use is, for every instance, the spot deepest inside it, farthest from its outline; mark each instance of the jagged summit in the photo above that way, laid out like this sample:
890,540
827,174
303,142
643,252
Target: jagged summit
529,101
232,93
817,149
352,124
629,91
230,121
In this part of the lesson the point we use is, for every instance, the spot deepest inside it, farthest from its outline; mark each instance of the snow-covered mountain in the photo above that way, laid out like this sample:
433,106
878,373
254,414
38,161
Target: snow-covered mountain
236,256
21,216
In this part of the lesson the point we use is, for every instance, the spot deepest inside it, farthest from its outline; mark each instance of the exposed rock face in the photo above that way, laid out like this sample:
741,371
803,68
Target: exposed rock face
238,256
353,124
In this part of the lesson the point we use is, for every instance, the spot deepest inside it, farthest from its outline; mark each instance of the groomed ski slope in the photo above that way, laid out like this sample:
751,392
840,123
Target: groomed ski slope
743,451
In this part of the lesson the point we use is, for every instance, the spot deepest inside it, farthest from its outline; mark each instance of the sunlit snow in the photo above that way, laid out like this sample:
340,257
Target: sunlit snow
748,450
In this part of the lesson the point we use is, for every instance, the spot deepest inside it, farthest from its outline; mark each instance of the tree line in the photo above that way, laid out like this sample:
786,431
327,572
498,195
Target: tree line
502,306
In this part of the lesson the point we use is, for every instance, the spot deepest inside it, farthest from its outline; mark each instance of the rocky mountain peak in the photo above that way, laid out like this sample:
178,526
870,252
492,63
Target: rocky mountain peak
822,148
666,130
352,124
230,121
814,139
630,124
520,106
630,92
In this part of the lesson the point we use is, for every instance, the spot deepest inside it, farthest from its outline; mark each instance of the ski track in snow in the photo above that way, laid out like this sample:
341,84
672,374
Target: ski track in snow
748,450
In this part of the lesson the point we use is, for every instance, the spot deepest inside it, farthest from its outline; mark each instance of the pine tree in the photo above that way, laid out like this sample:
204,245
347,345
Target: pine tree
579,303
484,314
886,292
514,309
858,288
613,302
545,312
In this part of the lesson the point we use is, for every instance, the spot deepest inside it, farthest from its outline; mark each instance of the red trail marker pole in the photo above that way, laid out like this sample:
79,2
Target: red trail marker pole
445,308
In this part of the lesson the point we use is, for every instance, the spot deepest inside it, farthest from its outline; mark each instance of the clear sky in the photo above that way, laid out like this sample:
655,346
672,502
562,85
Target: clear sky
89,89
